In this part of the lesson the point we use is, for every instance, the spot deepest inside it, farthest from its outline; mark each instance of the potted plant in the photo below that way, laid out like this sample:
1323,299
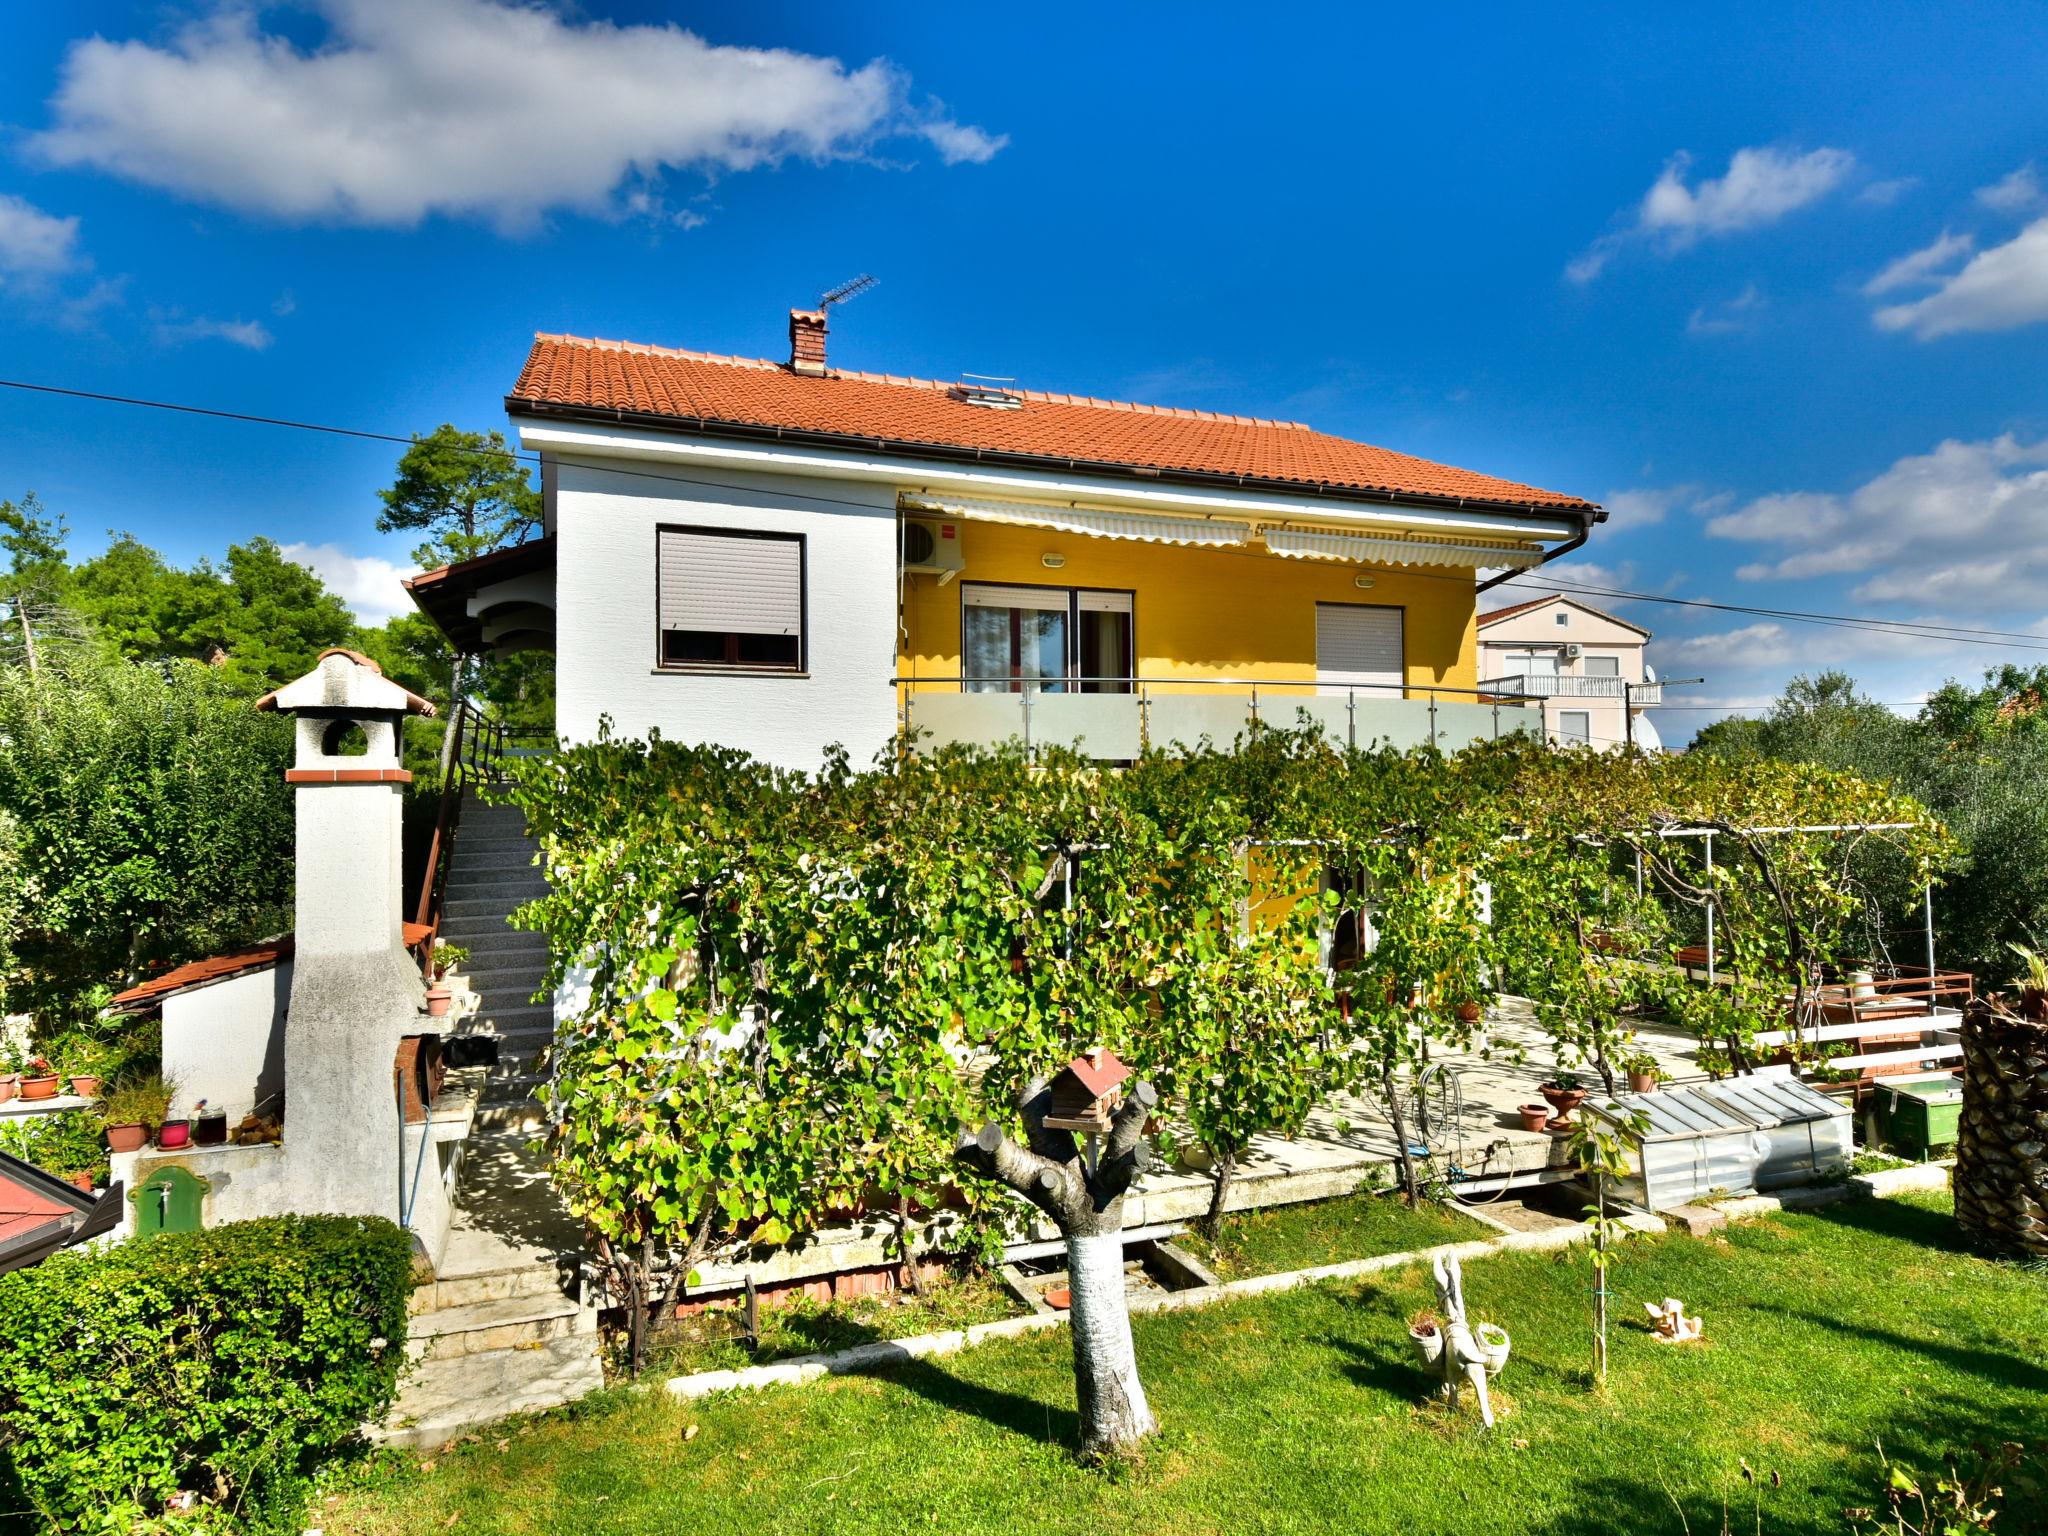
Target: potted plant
176,1132
1564,1093
1494,1344
447,956
131,1109
86,1085
1535,1116
1643,1072
39,1080
1470,1012
1426,1333
440,998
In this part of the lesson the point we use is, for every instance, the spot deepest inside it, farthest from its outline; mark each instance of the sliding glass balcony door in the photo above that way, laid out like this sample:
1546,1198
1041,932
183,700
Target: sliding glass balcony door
1016,639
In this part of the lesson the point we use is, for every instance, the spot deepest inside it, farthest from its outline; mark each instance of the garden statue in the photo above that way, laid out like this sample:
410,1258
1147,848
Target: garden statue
1457,1347
1671,1323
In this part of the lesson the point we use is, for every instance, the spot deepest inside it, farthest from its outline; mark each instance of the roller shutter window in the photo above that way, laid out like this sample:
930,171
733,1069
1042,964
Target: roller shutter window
1360,647
730,599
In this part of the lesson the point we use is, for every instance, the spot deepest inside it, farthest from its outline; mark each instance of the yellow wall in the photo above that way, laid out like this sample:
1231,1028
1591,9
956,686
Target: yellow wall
1237,613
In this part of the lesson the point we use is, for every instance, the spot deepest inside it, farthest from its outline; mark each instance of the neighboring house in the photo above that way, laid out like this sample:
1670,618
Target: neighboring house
1586,666
40,1213
779,556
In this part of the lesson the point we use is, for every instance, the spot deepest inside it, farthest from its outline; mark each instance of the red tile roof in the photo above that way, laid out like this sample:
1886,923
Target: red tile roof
706,389
1098,1071
197,973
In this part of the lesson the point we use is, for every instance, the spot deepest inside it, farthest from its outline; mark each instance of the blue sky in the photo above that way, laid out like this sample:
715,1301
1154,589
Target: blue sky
1771,282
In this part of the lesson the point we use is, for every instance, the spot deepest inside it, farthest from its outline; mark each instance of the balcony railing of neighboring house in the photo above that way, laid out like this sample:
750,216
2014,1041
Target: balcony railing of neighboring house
1116,719
1566,685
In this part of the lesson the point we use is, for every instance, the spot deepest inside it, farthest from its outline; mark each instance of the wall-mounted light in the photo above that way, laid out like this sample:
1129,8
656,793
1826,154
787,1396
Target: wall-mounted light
1363,583
1052,562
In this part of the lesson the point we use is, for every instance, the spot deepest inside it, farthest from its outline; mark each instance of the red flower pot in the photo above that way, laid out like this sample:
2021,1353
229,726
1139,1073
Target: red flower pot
439,1000
40,1087
1564,1101
127,1138
10,1084
82,1181
174,1133
1535,1117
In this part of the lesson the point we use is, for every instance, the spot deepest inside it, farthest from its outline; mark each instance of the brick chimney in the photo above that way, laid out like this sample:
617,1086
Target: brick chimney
807,341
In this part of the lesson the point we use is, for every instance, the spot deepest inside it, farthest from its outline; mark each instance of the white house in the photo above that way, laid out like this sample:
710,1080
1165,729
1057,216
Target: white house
782,555
1585,665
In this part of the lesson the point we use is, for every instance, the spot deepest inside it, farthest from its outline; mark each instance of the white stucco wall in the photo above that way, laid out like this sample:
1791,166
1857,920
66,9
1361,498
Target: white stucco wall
605,519
224,1042
1538,629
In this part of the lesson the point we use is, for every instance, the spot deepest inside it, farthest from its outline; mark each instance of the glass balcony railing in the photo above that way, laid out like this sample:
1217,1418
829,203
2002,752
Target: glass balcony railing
1165,713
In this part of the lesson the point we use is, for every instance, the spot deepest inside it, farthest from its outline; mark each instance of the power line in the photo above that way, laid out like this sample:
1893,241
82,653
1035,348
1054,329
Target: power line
1954,634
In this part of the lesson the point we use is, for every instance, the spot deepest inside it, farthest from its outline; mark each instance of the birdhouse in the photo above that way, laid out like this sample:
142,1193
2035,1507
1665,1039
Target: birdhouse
1087,1093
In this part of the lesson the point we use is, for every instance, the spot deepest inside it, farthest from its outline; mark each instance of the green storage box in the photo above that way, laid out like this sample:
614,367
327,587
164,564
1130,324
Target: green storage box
1920,1114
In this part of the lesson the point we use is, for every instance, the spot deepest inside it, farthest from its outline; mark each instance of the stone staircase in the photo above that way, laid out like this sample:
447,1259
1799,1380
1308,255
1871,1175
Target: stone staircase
506,1326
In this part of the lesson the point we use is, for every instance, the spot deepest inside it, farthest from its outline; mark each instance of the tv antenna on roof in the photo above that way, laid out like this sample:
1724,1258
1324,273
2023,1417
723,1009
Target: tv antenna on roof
853,287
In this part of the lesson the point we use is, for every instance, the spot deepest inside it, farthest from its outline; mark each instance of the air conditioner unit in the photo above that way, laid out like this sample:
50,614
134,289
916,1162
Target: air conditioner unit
1572,648
933,545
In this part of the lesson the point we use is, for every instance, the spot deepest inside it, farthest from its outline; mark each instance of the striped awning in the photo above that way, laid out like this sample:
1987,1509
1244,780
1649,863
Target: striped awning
1092,521
1365,549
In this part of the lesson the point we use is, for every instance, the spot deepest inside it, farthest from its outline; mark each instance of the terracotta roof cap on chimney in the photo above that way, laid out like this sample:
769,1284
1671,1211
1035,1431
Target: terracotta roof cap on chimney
807,341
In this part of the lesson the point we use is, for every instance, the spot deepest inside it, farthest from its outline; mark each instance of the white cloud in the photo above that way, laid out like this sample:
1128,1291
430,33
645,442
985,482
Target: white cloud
1999,290
35,245
1642,506
1882,194
1761,185
2016,190
1736,314
367,583
1920,266
1960,525
497,109
174,331
1563,573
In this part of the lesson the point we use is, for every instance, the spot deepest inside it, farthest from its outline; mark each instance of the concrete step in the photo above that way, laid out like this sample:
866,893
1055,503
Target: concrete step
472,863
524,1282
443,1398
512,981
503,1323
513,1112
513,1018
494,939
502,888
484,903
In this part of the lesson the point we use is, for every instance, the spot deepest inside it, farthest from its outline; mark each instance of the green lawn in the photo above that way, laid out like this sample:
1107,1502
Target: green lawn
1305,1412
710,1341
1317,1232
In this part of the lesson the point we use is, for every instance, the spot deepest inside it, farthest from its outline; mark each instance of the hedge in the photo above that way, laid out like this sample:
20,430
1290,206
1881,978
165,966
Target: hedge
226,1362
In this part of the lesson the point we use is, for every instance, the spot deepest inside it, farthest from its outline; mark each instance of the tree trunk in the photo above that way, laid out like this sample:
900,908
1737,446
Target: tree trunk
1114,1413
1087,1205
1411,1187
2001,1174
1219,1199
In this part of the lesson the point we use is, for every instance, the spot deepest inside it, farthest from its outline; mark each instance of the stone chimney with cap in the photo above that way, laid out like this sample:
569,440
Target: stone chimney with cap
807,341
357,995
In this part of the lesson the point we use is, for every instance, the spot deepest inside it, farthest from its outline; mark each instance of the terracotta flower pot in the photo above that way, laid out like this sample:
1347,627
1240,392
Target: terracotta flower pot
439,1000
1470,1013
44,1087
1535,1116
85,1084
1060,1298
1642,1082
82,1182
127,1138
173,1134
10,1084
1564,1101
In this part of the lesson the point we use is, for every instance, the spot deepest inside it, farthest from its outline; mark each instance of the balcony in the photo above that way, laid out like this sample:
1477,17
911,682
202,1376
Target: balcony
1118,719
1567,685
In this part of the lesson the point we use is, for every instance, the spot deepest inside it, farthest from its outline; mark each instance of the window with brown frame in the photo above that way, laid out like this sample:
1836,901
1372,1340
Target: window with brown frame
729,598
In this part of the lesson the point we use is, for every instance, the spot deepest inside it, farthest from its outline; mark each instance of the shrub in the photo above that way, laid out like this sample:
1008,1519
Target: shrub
226,1362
